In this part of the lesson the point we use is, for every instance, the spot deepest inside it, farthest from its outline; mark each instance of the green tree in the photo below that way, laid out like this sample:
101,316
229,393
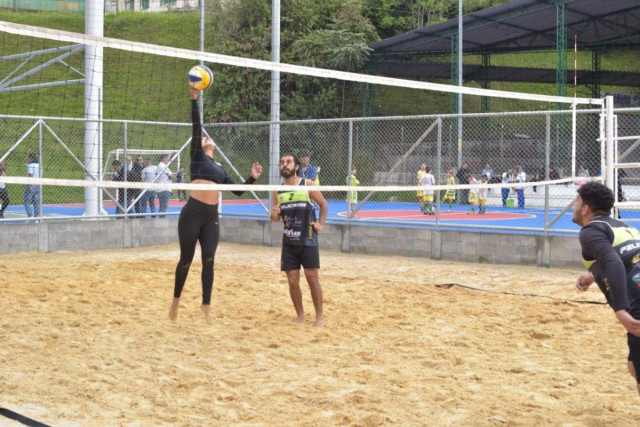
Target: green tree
328,34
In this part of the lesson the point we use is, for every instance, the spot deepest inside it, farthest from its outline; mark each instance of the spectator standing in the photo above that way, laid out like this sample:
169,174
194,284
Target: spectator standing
450,195
307,170
164,176
488,172
482,196
135,175
119,176
32,192
149,195
507,178
537,177
352,196
4,194
427,181
473,193
129,163
462,176
420,194
520,179
182,194
583,172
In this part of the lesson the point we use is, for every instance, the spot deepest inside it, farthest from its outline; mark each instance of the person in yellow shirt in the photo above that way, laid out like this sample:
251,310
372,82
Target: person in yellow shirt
352,196
419,175
473,193
482,196
450,195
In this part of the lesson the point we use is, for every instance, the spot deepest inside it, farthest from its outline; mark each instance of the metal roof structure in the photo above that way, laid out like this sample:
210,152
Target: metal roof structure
526,25
441,70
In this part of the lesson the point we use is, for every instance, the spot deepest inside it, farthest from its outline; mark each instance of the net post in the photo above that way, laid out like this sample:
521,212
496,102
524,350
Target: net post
609,142
94,26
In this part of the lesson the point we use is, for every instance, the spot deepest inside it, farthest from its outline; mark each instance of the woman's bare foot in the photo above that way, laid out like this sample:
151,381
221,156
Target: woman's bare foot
206,310
299,319
173,311
319,322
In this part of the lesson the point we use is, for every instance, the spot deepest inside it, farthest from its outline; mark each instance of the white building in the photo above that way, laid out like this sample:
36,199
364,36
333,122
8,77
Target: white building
114,6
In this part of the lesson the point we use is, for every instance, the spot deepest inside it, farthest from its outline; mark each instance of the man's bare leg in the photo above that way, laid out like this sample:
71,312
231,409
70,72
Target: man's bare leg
206,310
173,310
293,277
632,371
316,294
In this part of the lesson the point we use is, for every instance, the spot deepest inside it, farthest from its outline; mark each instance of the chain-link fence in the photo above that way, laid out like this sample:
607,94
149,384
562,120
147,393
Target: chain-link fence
506,148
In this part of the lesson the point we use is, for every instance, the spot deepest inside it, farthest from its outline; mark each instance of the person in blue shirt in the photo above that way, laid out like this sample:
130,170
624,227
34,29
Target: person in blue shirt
307,170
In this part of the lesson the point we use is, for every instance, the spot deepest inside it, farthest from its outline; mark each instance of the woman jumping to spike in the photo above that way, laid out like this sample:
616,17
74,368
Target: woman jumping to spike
199,217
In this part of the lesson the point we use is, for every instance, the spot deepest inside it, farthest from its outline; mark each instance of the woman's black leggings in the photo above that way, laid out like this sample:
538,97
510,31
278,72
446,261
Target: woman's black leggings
198,221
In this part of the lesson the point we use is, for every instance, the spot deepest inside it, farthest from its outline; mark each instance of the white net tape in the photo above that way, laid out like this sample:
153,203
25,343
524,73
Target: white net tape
264,187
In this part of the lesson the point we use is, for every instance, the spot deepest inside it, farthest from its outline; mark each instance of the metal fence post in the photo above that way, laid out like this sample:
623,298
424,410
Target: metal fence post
40,171
126,172
609,138
439,170
547,164
349,168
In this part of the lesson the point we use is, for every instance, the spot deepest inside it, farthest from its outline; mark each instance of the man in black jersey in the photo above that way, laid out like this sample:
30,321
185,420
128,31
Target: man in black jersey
300,238
611,253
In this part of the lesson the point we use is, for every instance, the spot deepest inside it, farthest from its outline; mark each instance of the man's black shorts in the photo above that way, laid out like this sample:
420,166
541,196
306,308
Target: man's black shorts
293,256
634,353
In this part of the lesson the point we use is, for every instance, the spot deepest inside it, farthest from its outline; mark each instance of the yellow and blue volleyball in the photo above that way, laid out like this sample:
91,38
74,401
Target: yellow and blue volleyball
200,77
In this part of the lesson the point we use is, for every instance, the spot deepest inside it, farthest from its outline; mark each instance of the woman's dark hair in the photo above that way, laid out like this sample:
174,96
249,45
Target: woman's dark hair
597,196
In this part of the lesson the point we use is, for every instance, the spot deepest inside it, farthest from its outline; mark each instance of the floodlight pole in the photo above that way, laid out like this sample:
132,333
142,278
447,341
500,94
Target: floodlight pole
93,62
460,83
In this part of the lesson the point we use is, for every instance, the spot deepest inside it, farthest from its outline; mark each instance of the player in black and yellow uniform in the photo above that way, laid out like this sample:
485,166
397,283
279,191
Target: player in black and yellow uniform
611,253
300,238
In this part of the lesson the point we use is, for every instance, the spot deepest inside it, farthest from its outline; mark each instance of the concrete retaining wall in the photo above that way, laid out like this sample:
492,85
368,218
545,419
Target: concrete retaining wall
498,248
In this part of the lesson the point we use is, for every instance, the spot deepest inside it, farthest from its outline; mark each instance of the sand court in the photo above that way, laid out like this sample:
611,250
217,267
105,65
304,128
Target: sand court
86,340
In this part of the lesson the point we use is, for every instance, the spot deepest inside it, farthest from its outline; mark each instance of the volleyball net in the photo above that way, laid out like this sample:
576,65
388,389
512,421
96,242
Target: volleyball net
71,99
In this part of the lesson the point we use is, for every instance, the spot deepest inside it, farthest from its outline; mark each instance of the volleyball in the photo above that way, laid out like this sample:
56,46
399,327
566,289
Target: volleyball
200,77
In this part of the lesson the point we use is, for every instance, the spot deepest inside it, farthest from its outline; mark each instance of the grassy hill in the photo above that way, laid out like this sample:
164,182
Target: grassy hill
142,87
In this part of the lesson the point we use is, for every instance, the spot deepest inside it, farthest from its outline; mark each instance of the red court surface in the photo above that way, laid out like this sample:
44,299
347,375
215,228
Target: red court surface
444,216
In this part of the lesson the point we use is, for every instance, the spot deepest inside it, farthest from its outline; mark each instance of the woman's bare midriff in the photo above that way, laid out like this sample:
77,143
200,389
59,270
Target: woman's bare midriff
210,197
